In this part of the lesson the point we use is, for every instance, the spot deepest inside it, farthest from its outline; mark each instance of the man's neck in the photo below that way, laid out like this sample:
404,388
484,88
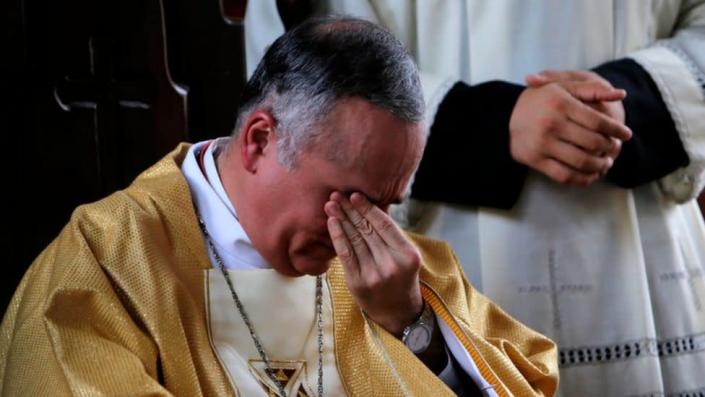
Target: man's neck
217,212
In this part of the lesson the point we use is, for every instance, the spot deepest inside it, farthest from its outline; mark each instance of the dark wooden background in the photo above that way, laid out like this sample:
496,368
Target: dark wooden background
93,92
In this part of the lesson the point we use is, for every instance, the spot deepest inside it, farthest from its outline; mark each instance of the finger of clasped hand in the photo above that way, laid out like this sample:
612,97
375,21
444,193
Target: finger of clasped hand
381,265
568,125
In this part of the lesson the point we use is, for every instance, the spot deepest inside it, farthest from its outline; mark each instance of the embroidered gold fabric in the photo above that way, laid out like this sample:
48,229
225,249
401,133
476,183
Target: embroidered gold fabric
116,306
524,361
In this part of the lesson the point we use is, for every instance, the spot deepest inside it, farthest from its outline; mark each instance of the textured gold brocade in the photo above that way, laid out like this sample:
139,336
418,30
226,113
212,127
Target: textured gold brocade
523,361
116,306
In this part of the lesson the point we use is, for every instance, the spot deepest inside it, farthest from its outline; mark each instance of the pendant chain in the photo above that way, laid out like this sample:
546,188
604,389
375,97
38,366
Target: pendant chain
250,327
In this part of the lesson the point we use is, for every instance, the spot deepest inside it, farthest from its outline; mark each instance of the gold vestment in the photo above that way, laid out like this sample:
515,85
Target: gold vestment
115,305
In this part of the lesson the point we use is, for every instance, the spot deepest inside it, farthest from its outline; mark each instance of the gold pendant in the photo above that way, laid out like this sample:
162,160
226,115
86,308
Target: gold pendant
290,374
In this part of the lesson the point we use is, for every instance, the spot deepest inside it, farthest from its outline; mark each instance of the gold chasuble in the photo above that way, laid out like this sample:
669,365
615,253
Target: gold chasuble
121,302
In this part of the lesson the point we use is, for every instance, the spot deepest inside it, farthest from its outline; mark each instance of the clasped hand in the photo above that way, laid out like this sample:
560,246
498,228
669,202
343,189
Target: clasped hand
568,125
381,265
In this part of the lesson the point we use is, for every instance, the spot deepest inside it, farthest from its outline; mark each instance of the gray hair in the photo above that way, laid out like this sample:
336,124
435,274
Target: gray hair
309,69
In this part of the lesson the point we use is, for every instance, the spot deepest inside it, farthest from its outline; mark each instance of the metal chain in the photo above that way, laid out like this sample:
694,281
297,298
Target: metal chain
319,310
250,327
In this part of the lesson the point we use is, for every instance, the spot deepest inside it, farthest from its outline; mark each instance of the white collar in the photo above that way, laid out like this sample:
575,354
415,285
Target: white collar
217,212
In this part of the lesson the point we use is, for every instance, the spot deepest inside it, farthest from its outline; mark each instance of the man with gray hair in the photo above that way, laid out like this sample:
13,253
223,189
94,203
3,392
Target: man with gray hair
266,264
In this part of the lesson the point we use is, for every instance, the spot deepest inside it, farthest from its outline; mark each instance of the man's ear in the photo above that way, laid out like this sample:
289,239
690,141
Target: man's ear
257,139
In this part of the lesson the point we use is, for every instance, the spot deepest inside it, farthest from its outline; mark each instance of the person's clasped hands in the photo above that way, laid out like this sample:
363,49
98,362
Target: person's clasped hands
568,125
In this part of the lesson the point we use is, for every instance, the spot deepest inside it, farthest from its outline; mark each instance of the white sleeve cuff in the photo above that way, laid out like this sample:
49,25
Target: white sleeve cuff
677,79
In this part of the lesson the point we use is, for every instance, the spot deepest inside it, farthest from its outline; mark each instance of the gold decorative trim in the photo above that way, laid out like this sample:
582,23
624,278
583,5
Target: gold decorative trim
439,307
366,352
336,350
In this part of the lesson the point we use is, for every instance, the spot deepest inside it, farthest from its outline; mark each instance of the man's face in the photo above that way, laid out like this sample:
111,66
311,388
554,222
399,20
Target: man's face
363,149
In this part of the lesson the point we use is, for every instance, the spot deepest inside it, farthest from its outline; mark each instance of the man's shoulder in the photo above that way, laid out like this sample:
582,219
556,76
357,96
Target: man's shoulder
151,222
160,185
157,204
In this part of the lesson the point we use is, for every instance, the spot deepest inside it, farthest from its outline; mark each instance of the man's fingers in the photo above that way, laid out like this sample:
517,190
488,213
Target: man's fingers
404,254
588,140
557,76
564,174
363,226
358,218
578,159
536,80
342,246
553,131
596,121
594,91
569,75
367,244
381,222
616,148
365,258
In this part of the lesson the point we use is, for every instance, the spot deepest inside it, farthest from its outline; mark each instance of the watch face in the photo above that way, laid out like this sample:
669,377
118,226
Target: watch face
418,339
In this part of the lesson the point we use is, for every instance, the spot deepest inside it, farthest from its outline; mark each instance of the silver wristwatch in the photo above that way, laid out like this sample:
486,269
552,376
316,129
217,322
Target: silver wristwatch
417,336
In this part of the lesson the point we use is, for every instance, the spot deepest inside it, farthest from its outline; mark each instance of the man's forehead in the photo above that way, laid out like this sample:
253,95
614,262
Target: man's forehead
355,128
373,155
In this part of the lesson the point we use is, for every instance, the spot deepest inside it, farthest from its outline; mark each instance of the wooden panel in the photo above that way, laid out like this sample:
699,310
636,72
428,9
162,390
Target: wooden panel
206,54
88,103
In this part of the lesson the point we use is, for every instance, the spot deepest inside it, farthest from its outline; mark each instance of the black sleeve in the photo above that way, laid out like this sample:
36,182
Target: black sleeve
655,149
467,159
